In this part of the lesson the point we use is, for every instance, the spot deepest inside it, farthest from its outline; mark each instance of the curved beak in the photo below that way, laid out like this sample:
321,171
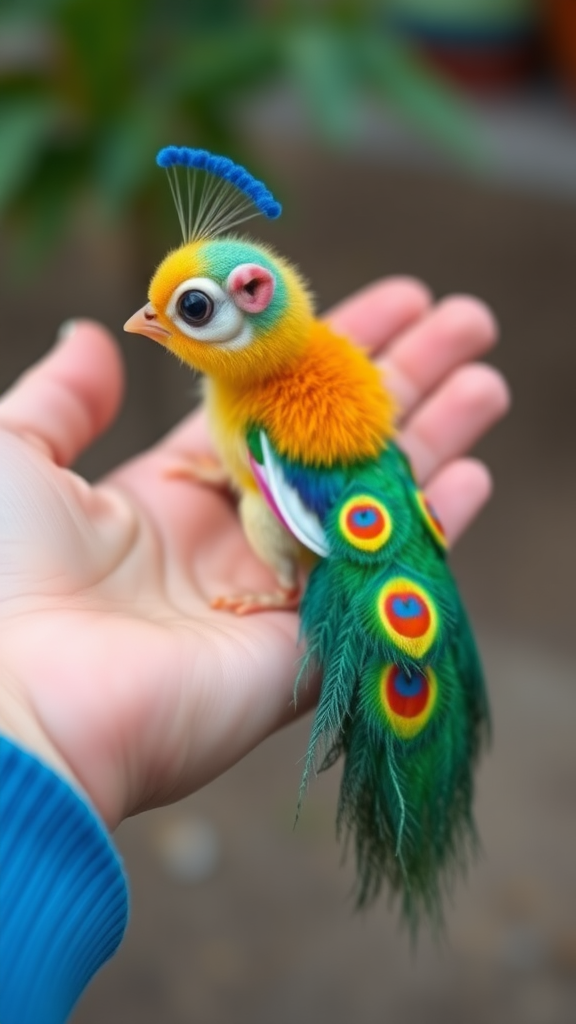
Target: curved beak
145,322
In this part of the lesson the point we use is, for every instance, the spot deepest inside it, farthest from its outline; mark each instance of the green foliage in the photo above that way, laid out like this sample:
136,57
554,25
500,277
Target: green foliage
26,123
90,89
319,60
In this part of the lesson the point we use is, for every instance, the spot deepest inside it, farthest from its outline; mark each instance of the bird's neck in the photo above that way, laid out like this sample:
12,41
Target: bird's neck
329,406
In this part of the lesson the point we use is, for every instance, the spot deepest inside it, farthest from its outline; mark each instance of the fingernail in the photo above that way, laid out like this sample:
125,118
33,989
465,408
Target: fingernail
64,331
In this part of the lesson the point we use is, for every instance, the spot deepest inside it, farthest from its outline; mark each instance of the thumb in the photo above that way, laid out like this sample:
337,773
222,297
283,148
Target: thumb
68,398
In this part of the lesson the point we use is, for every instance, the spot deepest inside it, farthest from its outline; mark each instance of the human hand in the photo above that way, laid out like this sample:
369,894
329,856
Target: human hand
113,667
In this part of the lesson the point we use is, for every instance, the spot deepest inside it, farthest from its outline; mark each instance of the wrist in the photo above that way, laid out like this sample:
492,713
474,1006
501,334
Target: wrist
19,723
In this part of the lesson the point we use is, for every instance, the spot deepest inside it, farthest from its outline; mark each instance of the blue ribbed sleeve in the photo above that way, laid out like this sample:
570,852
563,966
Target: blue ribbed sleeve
63,893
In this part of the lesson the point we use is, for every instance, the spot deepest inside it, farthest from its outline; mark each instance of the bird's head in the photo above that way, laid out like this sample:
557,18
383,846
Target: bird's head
227,307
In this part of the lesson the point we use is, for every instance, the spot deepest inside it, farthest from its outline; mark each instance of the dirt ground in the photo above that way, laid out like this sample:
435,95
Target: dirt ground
261,929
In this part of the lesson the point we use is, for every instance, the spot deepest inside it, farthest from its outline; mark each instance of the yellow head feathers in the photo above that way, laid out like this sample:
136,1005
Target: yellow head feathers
232,309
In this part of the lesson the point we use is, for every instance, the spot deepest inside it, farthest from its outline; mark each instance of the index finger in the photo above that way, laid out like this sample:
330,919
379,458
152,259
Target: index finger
375,315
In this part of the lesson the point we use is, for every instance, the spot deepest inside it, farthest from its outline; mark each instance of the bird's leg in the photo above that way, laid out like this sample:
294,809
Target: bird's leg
247,604
276,548
201,469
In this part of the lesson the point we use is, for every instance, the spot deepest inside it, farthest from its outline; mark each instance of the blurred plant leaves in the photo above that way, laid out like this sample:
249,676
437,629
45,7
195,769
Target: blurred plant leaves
320,64
215,63
397,75
113,81
49,206
101,43
26,125
123,149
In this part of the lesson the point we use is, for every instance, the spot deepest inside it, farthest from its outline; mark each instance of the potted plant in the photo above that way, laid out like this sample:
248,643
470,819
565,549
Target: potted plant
482,43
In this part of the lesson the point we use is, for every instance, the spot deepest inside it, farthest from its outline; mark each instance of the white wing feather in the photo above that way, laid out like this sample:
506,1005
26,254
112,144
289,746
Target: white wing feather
305,525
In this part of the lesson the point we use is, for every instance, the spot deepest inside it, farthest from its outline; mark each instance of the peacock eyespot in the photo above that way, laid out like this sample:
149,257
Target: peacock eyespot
408,699
431,520
365,523
195,307
408,616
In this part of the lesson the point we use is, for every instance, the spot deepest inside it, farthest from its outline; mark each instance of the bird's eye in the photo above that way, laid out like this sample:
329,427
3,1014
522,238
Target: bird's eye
195,308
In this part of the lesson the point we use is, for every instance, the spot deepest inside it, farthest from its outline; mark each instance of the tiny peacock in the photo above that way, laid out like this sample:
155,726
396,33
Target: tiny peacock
305,431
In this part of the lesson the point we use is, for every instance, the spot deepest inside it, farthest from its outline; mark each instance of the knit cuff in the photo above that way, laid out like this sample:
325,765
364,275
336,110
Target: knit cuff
63,892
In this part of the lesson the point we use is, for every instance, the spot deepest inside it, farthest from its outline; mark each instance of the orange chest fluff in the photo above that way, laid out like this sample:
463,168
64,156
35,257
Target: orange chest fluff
327,408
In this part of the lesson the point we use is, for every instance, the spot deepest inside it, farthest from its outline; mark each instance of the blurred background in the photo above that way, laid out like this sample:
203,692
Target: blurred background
429,137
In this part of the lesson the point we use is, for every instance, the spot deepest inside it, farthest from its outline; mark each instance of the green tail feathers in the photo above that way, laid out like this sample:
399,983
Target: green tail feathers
403,696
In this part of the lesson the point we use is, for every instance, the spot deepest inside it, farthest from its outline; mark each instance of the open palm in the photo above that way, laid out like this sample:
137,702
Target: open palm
113,666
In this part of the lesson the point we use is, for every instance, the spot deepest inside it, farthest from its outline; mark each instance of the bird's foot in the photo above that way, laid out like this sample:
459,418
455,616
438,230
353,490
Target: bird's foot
248,604
202,469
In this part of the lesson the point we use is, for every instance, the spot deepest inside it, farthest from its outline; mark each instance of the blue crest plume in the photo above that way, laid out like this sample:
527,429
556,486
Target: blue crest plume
227,196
